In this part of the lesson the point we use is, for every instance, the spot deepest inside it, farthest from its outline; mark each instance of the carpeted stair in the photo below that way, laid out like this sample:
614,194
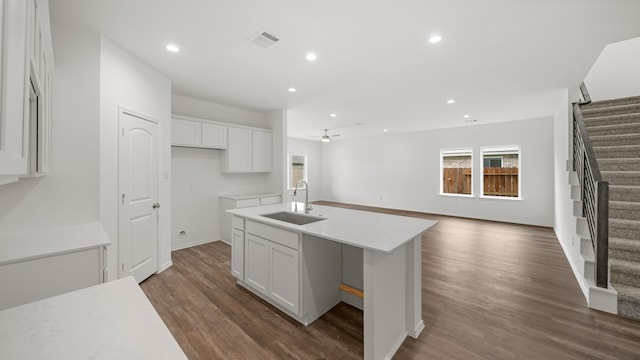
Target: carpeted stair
614,130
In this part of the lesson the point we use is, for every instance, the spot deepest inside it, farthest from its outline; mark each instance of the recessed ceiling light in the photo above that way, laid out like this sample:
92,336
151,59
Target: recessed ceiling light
385,130
172,48
450,101
466,116
435,39
311,57
333,115
291,89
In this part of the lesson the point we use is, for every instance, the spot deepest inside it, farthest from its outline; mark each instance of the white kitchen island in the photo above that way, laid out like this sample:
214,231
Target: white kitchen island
298,268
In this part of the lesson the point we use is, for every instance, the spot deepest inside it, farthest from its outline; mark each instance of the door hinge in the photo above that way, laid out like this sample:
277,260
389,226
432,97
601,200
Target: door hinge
122,267
122,199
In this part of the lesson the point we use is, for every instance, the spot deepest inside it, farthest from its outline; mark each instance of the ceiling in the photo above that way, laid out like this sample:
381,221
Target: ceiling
500,60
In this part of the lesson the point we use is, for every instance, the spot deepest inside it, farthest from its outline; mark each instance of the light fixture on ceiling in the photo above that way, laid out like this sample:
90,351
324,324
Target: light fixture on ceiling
172,48
450,101
311,57
466,116
333,115
292,89
435,39
326,138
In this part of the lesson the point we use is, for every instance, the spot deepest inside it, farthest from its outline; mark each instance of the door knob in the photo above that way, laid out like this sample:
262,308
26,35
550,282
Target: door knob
156,205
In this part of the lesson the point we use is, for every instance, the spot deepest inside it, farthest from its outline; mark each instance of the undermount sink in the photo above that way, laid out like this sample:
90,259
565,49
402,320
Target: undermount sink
294,218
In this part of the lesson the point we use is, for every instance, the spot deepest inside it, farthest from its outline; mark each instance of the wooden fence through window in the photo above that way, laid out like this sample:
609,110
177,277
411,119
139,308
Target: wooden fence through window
497,181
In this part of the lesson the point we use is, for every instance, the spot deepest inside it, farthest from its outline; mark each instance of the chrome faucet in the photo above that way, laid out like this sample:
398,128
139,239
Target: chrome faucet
307,204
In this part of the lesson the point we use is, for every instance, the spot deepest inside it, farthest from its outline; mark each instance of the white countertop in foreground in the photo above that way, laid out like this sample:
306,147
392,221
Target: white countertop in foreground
363,229
109,321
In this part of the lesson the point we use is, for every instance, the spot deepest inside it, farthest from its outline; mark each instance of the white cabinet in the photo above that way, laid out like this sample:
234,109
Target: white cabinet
239,201
26,60
272,264
214,136
14,118
262,148
256,263
249,151
192,132
237,248
284,276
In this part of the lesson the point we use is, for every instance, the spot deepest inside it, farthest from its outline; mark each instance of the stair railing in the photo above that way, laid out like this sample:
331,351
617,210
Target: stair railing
595,191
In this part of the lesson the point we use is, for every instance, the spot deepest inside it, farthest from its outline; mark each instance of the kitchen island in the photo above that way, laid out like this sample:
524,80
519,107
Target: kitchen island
299,268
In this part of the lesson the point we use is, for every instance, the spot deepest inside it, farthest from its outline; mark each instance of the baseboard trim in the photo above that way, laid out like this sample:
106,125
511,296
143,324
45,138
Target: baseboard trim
414,333
195,243
165,266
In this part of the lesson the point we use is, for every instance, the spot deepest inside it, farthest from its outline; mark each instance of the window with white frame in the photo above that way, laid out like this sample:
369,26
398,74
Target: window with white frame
456,171
297,169
501,171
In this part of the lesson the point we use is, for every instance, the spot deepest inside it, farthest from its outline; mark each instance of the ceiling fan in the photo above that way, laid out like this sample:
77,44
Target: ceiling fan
326,137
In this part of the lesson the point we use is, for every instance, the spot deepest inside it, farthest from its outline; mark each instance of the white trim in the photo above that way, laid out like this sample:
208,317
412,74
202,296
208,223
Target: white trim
502,149
196,243
164,266
461,151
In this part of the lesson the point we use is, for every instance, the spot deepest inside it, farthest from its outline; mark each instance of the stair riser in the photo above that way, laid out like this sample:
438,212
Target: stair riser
619,165
629,309
619,277
613,102
622,179
622,254
615,140
617,194
617,130
625,214
611,111
609,153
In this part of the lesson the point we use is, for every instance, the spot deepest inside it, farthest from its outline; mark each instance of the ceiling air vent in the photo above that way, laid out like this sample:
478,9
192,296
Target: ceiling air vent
265,39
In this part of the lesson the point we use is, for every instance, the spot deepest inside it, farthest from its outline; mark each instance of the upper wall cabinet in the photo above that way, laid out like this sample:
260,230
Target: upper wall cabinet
26,62
191,132
14,124
250,150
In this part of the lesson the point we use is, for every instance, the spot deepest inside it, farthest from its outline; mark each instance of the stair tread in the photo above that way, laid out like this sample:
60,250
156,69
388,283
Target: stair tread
621,172
623,243
618,147
588,115
611,102
625,266
615,136
627,292
625,221
631,205
599,125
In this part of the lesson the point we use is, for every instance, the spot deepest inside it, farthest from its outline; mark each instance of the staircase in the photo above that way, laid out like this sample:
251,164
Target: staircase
614,130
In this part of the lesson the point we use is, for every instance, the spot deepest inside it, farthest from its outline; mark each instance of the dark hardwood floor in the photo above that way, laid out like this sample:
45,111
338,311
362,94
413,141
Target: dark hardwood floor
490,291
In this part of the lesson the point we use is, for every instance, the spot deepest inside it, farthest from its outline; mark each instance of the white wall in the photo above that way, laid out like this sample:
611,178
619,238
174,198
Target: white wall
126,81
402,171
69,194
197,181
564,221
616,73
276,179
313,150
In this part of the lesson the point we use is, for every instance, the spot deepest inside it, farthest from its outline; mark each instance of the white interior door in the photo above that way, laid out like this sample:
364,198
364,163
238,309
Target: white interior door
138,191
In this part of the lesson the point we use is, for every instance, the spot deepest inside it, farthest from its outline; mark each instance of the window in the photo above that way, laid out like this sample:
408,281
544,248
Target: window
456,171
501,171
297,169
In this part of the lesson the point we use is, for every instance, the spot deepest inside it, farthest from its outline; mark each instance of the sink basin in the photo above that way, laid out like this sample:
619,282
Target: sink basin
294,218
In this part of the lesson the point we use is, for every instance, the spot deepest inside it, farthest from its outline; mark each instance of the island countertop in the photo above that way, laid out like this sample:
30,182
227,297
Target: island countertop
362,229
114,320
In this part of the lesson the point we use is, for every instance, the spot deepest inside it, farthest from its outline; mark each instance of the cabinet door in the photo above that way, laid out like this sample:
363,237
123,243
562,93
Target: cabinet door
262,148
284,276
14,94
185,132
256,263
239,151
237,253
214,136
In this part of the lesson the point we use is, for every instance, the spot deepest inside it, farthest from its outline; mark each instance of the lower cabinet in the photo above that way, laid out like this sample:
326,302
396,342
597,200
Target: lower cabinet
257,263
284,276
271,268
237,256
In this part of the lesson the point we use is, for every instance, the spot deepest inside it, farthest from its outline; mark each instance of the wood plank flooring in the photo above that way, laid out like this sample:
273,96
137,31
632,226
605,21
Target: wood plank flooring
490,291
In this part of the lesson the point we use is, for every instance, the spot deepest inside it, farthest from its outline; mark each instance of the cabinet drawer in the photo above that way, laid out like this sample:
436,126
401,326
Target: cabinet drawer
247,203
270,200
237,223
272,233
